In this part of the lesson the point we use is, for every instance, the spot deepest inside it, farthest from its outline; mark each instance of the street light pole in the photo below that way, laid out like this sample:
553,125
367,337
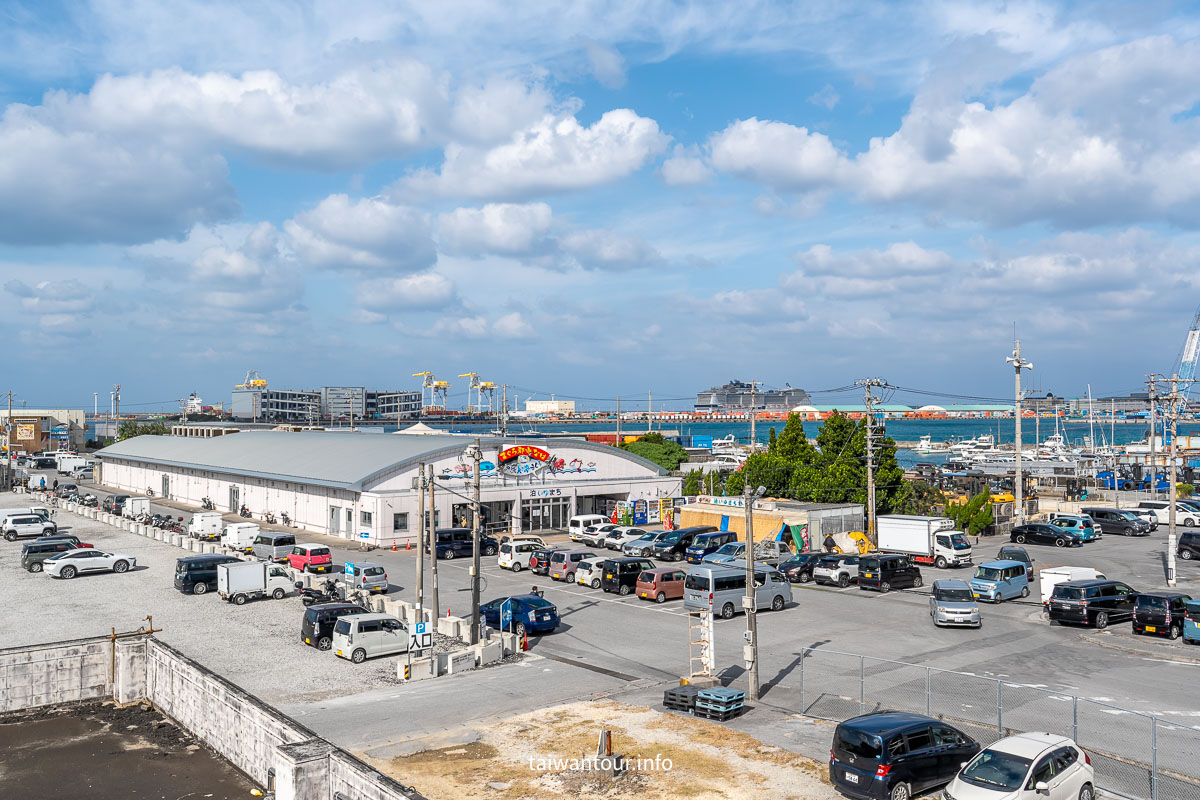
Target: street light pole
420,540
476,455
1018,489
433,558
749,604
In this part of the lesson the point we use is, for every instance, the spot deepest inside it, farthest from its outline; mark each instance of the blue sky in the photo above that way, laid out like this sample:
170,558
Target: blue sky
592,198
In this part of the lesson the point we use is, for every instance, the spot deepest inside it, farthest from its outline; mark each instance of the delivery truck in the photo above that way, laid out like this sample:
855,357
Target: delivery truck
928,540
206,526
68,464
240,581
240,536
135,506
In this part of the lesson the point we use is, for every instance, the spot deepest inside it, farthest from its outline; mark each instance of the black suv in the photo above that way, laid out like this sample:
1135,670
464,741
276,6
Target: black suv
1161,613
1011,553
1042,533
539,560
620,574
455,542
114,503
896,754
1189,545
673,546
1095,602
798,568
885,573
197,574
317,628
1114,520
34,553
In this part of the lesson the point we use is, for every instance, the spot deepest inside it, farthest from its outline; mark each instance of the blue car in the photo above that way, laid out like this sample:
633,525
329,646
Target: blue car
726,553
520,614
1079,525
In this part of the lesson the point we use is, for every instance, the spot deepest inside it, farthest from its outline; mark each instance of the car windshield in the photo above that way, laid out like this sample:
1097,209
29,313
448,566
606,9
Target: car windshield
955,595
959,541
728,549
987,574
649,537
697,582
861,745
1127,515
373,571
995,769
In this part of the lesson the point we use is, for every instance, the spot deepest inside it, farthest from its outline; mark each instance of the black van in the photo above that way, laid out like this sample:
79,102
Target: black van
455,542
674,545
34,553
198,574
1189,545
620,574
884,573
876,754
317,628
1094,602
1161,613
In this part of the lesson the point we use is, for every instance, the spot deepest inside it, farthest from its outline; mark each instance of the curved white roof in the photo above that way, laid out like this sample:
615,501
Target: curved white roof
805,410
932,409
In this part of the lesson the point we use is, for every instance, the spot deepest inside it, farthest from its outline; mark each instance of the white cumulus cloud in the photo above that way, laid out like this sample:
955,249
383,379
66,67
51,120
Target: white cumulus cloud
367,234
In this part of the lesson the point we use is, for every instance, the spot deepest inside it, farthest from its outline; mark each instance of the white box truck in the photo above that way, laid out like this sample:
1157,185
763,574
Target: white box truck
929,540
240,581
134,506
205,525
68,464
240,536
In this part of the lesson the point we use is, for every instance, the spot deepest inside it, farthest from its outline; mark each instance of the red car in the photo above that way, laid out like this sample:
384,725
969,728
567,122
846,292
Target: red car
311,557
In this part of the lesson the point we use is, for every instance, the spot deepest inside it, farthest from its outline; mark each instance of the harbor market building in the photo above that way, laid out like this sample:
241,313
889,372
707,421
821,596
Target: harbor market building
366,485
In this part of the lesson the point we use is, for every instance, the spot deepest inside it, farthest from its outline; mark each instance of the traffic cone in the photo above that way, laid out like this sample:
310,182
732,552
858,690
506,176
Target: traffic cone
408,545
525,641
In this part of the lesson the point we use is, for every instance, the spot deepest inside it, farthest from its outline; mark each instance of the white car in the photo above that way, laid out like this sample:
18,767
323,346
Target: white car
1028,766
1160,510
596,535
622,535
588,572
73,562
19,525
515,555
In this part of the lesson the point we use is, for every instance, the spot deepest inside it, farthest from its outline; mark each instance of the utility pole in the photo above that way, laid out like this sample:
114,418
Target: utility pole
749,604
476,456
1172,492
869,400
1018,487
433,559
8,428
504,411
117,411
753,418
649,416
1151,387
420,540
618,420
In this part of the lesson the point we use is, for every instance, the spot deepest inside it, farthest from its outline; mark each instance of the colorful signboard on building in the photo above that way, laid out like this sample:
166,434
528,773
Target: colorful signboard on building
522,460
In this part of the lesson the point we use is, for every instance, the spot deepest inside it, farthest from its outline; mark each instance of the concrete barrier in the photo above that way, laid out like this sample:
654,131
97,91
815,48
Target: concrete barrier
488,653
44,675
422,669
453,626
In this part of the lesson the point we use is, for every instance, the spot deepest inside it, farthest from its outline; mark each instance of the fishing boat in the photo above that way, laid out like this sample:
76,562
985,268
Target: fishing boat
926,446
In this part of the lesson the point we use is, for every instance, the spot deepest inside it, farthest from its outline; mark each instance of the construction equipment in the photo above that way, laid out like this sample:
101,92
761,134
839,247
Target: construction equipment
474,385
426,384
252,381
1189,355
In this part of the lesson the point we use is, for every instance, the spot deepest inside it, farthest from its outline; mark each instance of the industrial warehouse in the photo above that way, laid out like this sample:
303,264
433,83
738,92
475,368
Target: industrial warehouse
366,485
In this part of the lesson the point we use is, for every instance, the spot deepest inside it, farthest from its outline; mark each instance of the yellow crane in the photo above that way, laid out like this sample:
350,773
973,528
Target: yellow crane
488,388
426,384
440,387
474,385
252,381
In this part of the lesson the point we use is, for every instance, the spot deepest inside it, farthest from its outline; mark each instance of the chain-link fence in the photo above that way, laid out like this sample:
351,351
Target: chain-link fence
1136,755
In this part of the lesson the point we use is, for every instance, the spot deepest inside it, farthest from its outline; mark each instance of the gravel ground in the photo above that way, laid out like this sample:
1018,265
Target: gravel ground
256,645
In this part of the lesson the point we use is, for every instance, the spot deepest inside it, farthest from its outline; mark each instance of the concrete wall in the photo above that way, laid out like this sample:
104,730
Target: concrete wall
44,675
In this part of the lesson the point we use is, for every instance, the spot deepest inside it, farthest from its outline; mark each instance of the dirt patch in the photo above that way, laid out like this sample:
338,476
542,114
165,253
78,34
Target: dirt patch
544,754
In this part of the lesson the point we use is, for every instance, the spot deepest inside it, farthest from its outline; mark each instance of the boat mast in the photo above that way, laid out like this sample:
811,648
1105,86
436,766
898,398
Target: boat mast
1091,419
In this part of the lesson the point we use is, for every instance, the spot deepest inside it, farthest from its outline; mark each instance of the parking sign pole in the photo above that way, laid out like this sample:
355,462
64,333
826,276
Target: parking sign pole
433,557
477,455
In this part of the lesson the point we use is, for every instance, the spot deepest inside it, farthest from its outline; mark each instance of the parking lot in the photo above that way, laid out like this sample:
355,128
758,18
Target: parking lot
612,645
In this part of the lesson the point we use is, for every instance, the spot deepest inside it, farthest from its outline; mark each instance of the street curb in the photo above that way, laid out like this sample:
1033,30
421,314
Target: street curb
1087,637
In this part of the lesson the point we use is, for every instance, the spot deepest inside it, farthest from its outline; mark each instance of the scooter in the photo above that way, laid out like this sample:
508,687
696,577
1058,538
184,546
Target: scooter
268,518
287,521
244,512
328,593
208,505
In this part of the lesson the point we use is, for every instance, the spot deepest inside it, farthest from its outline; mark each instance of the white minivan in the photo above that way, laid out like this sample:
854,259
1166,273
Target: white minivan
362,636
576,525
1162,512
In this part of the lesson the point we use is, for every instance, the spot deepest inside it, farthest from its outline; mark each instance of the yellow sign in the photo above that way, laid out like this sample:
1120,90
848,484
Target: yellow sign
26,432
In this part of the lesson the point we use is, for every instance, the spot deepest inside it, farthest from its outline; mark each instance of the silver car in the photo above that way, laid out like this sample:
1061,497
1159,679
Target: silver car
644,545
953,603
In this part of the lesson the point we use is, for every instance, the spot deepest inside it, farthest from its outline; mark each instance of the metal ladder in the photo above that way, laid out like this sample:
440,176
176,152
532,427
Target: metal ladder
702,661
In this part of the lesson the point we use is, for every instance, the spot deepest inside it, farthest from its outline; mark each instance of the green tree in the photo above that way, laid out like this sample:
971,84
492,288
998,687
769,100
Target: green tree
916,497
692,483
128,430
1184,489
771,439
654,447
792,445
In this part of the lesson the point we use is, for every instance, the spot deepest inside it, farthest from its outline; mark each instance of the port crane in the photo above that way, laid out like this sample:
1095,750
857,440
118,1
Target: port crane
426,384
473,386
252,381
1189,356
488,388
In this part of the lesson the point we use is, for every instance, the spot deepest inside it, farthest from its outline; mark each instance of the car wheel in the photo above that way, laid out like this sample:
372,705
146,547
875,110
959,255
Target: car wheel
67,573
11,536
1128,531
35,566
239,599
660,597
777,604
1173,632
1060,542
200,588
449,555
843,581
1102,620
1024,591
489,550
900,792
1019,538
278,594
121,566
918,582
624,589
1186,555
519,629
516,567
358,656
727,611
324,643
804,577
595,583
885,586
941,562
1188,522
1086,792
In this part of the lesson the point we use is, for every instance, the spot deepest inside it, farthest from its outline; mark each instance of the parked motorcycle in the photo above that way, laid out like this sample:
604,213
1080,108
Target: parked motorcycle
327,593
244,512
268,518
287,521
208,505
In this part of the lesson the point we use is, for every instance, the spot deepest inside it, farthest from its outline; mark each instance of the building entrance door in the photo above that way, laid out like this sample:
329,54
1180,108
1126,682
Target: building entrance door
545,513
335,521
235,495
166,486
